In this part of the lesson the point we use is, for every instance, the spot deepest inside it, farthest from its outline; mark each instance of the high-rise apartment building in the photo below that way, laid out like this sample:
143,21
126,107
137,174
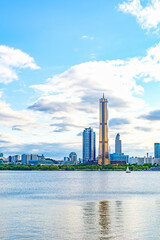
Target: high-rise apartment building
15,159
89,145
34,157
103,157
25,158
118,147
157,150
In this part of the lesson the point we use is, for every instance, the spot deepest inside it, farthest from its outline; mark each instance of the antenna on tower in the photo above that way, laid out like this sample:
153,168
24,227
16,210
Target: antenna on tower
103,95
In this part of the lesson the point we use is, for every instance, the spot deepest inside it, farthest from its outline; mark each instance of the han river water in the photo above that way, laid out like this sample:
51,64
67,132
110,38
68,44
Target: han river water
79,205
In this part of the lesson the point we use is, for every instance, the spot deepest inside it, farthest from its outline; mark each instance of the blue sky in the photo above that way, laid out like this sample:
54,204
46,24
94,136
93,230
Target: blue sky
56,60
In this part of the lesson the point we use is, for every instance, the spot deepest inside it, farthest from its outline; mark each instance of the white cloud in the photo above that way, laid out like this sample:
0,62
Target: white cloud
84,36
12,59
147,16
23,130
71,98
114,76
69,102
9,117
87,37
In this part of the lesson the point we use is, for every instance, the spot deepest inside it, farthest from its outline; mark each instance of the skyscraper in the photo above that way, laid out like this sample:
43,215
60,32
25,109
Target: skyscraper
103,157
118,147
157,150
89,145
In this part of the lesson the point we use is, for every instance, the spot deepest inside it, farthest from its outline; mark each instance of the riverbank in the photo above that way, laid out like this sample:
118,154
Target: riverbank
80,167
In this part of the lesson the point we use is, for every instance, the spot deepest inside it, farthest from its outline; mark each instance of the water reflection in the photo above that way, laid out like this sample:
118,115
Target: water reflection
98,220
104,217
107,220
69,206
73,220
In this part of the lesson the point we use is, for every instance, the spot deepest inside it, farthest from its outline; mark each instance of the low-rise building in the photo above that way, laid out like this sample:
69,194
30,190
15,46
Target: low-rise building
141,160
156,161
71,160
73,157
115,158
2,158
1,161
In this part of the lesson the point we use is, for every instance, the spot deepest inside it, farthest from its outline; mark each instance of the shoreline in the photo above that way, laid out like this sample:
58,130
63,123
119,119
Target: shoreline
81,167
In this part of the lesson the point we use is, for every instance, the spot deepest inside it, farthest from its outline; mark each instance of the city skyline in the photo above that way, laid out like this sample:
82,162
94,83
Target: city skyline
57,59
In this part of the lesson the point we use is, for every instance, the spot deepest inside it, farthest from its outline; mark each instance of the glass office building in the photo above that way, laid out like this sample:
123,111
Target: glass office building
157,150
89,145
118,147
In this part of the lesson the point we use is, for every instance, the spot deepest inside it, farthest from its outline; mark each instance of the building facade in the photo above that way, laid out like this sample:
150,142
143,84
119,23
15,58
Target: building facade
73,157
115,158
15,159
66,159
33,160
118,145
103,157
142,160
34,157
157,150
89,145
1,158
25,158
156,161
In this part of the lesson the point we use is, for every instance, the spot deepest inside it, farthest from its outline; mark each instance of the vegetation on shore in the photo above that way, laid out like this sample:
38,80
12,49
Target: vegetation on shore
81,167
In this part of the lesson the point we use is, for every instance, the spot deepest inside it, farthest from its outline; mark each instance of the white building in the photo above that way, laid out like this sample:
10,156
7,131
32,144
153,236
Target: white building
141,160
34,157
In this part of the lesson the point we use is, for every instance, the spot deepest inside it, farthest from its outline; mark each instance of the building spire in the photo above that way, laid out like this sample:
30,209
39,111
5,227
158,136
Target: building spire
103,156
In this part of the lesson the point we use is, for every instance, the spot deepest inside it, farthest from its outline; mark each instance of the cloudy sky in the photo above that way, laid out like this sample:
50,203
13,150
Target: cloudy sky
56,60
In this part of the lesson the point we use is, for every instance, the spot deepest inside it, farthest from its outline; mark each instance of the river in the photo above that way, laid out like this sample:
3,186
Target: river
82,205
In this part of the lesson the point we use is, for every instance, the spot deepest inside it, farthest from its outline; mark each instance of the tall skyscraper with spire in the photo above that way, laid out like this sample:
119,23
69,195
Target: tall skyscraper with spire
103,157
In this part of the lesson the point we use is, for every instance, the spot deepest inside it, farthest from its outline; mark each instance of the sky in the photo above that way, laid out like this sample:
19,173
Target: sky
56,60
